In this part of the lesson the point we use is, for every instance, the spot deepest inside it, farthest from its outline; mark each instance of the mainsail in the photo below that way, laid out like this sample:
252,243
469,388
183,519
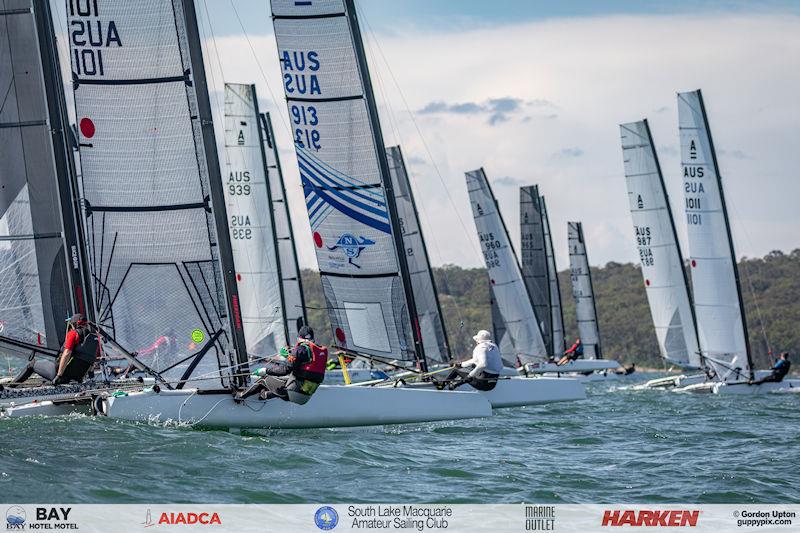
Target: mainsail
250,223
721,323
583,292
345,177
426,299
41,280
157,234
556,310
508,288
294,306
659,252
533,259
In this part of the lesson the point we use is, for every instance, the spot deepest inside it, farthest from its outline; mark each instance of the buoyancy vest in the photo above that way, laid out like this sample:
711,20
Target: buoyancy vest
314,370
87,347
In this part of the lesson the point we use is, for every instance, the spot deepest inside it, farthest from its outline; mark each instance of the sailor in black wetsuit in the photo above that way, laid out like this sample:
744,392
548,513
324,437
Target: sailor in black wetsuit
779,371
77,357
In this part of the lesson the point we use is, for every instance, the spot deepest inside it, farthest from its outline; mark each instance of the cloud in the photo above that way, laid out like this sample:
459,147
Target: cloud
498,110
735,154
667,149
507,181
570,153
662,109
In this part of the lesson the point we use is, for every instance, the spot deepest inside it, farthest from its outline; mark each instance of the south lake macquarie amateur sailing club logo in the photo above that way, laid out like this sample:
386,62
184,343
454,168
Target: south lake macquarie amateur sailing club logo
351,246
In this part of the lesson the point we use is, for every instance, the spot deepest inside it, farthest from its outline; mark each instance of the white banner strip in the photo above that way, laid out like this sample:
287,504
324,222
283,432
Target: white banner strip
409,518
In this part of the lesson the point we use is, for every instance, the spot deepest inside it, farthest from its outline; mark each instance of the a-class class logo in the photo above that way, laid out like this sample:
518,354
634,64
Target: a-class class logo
351,246
15,517
326,518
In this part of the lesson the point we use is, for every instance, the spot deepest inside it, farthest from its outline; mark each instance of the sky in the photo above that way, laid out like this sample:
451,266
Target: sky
534,92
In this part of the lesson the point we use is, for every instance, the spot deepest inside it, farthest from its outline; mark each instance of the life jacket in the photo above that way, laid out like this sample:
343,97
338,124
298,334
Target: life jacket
87,347
314,370
783,369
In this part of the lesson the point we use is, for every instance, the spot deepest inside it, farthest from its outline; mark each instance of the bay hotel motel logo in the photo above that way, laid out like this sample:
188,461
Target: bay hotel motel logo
48,518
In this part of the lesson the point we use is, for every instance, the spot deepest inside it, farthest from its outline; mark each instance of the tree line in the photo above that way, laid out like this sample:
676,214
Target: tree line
770,289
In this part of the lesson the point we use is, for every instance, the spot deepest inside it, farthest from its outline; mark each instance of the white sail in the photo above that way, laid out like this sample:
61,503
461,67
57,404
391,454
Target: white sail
583,292
344,173
157,237
533,259
247,200
432,328
659,252
556,309
294,306
721,325
508,287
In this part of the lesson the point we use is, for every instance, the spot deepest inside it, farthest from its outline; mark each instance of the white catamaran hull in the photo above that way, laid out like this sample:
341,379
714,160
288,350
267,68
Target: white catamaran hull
742,388
518,392
683,381
331,406
579,365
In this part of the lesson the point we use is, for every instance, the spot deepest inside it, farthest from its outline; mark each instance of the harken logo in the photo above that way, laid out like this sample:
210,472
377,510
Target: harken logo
15,518
651,518
351,246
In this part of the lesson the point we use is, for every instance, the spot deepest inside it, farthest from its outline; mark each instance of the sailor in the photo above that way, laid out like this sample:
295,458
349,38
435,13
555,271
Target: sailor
296,378
77,356
779,371
575,352
483,369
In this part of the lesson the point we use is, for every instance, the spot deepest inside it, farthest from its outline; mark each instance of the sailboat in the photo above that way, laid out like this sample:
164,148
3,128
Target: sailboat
42,262
663,273
583,294
512,305
508,392
541,278
721,322
161,250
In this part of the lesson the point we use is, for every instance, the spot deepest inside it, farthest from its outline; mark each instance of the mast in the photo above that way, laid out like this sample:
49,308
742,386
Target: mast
66,174
425,289
729,234
292,329
361,57
556,307
719,308
239,377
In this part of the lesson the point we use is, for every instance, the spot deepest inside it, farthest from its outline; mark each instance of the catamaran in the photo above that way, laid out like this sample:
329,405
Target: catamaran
721,322
42,262
541,278
162,253
665,280
585,306
516,325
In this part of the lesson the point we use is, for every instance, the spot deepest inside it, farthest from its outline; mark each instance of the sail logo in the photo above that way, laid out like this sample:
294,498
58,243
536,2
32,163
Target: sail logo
650,518
181,518
351,246
326,518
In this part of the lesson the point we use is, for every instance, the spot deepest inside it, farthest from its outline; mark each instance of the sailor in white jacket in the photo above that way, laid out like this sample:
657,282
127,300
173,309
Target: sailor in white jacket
484,366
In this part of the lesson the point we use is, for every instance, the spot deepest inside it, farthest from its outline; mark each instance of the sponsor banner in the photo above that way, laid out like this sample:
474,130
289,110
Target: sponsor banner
409,518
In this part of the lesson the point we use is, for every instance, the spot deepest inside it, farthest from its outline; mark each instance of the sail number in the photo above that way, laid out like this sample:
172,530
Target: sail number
643,241
305,119
89,36
239,183
490,246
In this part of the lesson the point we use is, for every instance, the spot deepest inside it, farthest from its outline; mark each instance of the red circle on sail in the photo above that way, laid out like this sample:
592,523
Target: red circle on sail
238,277
694,263
87,127
317,239
647,282
340,335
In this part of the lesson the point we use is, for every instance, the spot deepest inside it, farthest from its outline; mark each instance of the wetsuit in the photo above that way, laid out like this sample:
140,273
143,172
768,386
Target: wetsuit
84,348
779,372
295,379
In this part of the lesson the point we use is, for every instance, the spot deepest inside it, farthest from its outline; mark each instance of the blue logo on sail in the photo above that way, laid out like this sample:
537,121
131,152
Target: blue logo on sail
326,518
351,246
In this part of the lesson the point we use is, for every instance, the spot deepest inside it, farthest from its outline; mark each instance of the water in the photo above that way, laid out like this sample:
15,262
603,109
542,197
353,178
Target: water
617,446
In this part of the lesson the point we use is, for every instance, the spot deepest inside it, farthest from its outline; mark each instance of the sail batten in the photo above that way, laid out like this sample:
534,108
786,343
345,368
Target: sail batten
660,256
345,177
583,292
721,323
510,296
